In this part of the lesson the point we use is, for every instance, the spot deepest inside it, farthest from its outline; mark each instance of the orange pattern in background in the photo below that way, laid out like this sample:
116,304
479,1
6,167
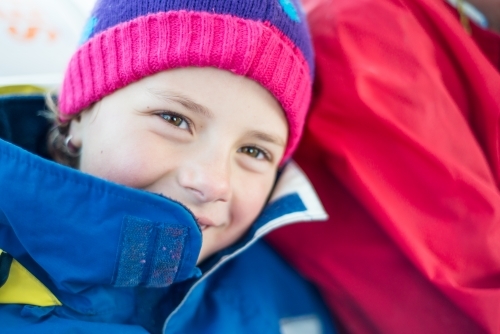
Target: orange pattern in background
27,26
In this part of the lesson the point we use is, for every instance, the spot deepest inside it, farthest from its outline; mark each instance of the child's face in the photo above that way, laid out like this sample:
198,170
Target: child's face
202,136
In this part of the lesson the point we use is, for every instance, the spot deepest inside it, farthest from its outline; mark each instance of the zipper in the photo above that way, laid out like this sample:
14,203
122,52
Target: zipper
285,220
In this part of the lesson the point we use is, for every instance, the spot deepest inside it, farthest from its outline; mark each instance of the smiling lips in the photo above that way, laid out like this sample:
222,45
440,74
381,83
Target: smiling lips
204,223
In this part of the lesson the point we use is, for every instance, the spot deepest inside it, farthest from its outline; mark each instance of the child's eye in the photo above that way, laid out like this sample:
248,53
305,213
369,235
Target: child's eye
255,152
175,120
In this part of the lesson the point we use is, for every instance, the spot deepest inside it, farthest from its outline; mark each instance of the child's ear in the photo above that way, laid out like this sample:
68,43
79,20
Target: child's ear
76,131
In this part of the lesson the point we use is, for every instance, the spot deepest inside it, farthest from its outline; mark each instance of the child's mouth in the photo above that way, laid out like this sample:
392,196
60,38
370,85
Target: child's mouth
204,223
202,227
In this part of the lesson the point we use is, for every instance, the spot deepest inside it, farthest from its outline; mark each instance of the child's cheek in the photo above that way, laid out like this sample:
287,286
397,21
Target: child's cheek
248,204
129,165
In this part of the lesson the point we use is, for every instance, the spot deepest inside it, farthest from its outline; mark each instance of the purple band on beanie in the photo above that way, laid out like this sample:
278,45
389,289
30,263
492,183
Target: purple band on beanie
276,12
145,45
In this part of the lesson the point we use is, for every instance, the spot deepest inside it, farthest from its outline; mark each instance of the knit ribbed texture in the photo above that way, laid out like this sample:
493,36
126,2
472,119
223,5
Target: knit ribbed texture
109,13
149,44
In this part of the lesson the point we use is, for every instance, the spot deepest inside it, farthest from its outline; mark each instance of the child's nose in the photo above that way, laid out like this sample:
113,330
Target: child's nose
208,181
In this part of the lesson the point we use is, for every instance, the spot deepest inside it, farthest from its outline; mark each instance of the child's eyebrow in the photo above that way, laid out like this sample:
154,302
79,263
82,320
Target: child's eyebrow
267,137
170,96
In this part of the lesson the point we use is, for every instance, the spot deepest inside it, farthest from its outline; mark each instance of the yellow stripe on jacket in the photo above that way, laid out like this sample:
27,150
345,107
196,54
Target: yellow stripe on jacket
22,287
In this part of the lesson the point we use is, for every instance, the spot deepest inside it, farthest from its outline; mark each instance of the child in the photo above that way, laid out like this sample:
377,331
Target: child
200,102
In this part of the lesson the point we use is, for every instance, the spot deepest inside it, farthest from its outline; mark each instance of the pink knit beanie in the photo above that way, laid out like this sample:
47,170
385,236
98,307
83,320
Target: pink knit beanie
126,40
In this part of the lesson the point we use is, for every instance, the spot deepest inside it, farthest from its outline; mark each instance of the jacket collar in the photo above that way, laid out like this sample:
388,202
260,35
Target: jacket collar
293,200
91,226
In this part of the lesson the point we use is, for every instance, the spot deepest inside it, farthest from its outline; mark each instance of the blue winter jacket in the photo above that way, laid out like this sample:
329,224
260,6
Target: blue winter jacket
119,260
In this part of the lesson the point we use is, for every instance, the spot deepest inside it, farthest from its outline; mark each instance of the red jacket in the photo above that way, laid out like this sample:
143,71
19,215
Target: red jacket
402,145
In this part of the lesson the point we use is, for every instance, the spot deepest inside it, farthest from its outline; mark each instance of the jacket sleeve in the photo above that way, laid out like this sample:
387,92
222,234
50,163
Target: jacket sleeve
403,129
73,230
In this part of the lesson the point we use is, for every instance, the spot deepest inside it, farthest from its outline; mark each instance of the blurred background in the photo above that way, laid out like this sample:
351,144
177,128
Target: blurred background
37,39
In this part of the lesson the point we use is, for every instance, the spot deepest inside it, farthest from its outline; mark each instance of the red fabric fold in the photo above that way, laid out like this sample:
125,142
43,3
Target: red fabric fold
402,145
